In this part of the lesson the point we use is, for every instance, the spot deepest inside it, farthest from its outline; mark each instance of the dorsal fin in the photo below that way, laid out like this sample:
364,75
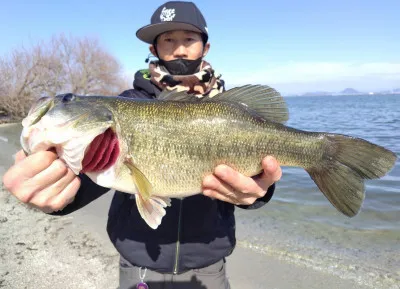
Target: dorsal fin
262,99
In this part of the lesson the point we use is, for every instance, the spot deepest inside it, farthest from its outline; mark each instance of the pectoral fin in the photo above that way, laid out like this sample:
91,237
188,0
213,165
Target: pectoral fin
142,183
152,210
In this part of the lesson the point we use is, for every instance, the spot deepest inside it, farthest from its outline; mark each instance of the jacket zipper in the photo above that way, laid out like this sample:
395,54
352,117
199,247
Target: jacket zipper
178,244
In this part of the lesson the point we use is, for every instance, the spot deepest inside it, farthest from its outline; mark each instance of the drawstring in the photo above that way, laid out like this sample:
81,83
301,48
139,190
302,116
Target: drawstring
142,284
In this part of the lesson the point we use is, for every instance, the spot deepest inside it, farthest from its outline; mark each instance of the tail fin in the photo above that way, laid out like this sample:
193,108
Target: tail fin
347,163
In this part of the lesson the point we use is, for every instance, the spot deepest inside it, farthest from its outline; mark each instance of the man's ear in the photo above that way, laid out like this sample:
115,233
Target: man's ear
153,50
206,49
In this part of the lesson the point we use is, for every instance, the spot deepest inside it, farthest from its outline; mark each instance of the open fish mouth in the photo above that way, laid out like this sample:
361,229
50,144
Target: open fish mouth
92,150
39,134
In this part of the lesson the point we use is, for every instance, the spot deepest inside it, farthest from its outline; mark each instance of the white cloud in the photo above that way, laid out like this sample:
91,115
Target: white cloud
297,77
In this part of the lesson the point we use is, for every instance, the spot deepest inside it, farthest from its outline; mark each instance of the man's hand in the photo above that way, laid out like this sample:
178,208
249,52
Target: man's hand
42,180
228,185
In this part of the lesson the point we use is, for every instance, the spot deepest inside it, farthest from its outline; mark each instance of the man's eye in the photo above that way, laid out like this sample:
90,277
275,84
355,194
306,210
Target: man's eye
168,39
189,39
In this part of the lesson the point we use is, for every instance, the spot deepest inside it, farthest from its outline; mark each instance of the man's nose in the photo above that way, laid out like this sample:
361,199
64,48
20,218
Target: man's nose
180,51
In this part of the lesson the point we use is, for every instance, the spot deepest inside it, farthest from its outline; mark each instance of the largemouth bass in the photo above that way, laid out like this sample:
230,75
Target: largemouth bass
162,148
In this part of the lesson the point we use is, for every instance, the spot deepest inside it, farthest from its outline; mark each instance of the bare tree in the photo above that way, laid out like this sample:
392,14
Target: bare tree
17,76
77,65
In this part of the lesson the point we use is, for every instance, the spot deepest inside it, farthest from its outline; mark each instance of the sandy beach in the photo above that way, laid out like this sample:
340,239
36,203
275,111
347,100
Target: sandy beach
43,251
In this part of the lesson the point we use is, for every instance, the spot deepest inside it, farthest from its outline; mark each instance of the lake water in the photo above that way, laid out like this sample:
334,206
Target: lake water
299,224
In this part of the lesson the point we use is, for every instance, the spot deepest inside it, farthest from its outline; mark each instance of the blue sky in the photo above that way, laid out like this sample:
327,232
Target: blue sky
294,46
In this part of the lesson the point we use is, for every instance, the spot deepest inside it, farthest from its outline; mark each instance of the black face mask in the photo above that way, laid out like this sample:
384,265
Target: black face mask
181,66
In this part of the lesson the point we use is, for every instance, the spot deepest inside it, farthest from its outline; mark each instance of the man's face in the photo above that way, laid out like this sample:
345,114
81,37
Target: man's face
180,44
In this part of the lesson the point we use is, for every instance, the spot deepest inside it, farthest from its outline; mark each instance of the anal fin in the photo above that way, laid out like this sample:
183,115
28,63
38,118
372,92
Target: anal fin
152,210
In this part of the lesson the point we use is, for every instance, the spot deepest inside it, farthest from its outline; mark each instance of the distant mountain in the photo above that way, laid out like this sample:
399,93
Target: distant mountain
349,91
396,90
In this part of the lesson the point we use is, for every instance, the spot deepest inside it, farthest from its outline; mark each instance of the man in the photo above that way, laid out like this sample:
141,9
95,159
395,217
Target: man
198,232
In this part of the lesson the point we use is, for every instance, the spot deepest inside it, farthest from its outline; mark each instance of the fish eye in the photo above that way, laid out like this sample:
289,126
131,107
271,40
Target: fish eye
68,97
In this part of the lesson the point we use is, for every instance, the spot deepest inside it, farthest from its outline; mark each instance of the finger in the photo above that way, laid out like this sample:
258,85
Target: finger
65,197
33,164
211,182
218,189
272,172
230,198
216,195
238,181
19,156
27,168
40,181
43,197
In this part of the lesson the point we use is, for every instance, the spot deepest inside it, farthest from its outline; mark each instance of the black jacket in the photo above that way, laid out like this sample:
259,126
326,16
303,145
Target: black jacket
195,232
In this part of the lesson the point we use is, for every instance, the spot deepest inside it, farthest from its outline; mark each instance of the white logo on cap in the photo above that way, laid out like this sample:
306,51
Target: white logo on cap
167,14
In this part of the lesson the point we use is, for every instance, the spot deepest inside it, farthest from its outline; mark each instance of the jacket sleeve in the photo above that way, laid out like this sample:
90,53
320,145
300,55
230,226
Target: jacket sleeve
88,192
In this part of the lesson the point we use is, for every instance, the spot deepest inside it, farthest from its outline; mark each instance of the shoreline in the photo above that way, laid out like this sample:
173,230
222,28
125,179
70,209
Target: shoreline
6,124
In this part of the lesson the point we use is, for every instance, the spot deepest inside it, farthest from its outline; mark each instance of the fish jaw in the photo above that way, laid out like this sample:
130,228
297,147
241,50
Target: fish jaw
69,143
73,151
